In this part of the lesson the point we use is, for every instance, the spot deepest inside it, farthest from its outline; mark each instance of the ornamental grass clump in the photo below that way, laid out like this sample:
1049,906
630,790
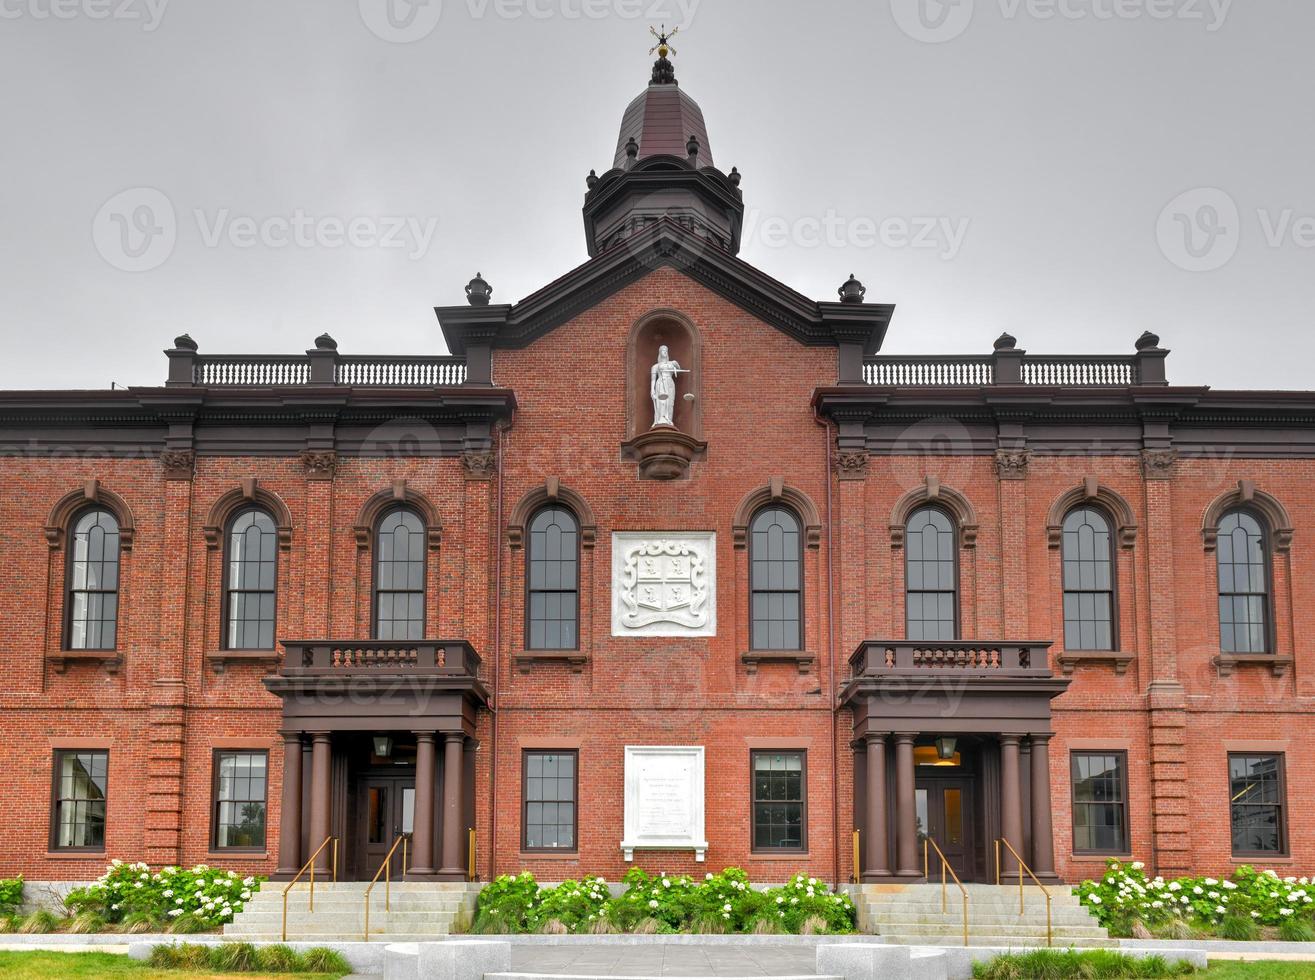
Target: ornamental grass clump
1070,964
132,892
1236,906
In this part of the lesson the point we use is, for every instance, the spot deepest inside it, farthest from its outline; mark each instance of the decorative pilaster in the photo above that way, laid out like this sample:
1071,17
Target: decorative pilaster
852,464
479,465
178,464
321,464
1011,464
164,773
1157,464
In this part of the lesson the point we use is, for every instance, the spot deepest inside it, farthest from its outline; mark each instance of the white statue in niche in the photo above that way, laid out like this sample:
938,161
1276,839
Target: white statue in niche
662,388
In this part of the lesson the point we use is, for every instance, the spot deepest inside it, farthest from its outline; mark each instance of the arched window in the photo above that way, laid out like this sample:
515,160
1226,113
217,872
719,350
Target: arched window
1243,556
251,571
931,575
399,576
1088,581
93,582
775,581
552,581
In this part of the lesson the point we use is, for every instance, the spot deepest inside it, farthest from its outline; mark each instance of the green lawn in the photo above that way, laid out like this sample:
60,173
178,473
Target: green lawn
1271,970
42,965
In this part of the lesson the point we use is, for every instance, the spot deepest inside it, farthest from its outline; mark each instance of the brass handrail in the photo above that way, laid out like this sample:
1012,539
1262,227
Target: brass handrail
858,874
945,866
385,869
1022,866
470,876
309,865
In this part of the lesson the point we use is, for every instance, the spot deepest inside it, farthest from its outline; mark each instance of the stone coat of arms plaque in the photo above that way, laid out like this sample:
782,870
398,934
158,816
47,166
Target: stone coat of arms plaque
664,584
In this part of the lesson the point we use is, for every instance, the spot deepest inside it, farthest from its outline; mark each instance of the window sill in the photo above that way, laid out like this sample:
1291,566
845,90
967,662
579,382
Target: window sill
1226,663
219,659
549,855
1101,857
75,855
526,659
779,855
1263,859
802,659
61,660
1068,660
236,855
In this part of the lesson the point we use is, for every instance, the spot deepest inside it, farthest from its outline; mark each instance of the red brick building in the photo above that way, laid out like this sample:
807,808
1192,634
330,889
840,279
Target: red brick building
1053,599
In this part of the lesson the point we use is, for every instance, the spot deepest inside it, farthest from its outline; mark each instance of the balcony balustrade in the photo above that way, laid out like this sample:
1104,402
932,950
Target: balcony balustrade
946,658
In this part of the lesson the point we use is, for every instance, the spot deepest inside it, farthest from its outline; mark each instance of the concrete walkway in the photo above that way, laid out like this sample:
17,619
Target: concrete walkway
666,960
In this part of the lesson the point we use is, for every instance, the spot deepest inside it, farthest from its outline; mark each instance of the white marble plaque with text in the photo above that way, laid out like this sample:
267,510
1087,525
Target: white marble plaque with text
664,799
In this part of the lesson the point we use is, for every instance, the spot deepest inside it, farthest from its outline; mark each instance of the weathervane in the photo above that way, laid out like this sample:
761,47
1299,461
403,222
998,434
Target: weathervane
663,47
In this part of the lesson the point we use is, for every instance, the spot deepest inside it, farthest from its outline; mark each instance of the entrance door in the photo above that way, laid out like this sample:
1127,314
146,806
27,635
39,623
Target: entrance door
386,808
943,806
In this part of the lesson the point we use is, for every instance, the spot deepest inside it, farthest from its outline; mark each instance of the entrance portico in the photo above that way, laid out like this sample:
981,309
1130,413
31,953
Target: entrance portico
951,741
378,744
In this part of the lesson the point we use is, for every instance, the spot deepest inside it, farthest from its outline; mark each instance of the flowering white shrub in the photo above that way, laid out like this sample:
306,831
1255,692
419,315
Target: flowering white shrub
211,895
1125,894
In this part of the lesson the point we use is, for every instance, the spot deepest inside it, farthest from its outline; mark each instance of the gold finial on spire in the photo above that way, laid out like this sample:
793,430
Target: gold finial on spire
663,47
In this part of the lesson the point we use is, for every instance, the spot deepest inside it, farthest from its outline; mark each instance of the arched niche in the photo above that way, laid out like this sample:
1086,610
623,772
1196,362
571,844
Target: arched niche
90,494
776,492
1092,492
684,345
551,491
1245,494
932,492
400,493
249,493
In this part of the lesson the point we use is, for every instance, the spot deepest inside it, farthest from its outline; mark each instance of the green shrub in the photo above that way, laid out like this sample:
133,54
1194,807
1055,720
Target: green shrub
40,921
321,959
1068,964
1295,930
572,905
186,924
509,901
280,959
211,895
805,898
11,894
164,957
1125,894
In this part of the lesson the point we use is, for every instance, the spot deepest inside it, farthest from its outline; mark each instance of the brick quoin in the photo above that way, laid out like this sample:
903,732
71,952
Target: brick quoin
548,403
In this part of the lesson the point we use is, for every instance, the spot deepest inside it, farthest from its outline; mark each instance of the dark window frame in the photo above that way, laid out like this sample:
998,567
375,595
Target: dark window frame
225,624
1282,806
1267,567
424,572
955,532
529,560
803,802
525,802
1074,803
798,561
1113,591
215,846
56,775
70,559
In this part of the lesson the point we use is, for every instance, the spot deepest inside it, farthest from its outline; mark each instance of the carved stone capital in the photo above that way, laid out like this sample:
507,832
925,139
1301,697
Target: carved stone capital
1011,464
852,464
321,464
178,464
1157,464
479,466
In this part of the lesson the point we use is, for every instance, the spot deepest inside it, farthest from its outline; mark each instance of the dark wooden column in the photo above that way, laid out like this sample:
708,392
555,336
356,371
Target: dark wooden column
906,827
452,753
878,840
422,864
1011,801
290,808
320,777
1043,838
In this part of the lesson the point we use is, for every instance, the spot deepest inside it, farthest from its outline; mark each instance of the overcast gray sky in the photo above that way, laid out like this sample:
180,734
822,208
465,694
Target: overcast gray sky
255,172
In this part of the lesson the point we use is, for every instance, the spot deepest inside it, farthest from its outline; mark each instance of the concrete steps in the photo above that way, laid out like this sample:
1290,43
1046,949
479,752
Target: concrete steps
418,911
911,914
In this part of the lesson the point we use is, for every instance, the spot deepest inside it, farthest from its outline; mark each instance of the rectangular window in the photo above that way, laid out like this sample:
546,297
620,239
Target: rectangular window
1100,802
549,793
779,801
1256,794
239,794
81,779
